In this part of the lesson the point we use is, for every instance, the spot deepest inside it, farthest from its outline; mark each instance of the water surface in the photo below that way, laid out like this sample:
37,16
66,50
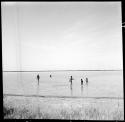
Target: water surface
101,83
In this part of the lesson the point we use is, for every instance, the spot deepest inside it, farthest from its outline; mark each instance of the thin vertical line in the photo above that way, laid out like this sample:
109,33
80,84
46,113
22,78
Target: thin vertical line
19,38
122,20
19,50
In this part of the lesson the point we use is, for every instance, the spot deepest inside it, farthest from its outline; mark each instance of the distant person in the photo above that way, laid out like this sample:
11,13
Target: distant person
86,80
71,79
81,81
38,77
50,76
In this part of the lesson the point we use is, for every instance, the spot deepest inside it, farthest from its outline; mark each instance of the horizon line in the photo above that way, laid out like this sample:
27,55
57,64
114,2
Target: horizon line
63,70
55,96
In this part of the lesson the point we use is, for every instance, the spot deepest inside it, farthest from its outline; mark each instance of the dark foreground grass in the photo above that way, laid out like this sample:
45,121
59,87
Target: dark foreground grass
90,112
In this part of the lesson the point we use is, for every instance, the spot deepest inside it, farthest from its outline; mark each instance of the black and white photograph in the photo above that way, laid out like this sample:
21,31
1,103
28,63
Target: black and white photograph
62,60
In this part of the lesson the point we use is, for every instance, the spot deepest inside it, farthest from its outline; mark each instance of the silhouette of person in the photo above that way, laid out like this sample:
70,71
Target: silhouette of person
71,79
38,77
81,81
86,80
50,76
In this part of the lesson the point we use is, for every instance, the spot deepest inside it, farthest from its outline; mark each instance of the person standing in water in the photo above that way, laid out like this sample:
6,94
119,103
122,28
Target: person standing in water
81,81
71,79
71,89
81,86
38,77
38,102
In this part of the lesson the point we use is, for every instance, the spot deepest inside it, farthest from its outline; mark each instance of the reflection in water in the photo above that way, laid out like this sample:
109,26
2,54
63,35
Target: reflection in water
37,91
87,83
87,88
71,90
38,100
87,80
81,90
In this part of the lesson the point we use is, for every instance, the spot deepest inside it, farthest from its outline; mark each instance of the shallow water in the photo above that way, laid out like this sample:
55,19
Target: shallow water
100,83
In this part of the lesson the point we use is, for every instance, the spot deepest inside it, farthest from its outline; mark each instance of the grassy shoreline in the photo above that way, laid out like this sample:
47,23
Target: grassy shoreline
69,109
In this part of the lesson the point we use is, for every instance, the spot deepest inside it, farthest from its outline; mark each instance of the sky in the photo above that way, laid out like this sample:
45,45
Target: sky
61,36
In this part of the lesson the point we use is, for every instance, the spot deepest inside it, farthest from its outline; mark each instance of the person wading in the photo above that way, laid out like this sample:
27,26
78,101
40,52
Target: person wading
38,102
71,79
38,77
81,81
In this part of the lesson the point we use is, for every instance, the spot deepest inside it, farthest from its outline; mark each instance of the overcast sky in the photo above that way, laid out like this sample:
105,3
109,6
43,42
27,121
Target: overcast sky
61,35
